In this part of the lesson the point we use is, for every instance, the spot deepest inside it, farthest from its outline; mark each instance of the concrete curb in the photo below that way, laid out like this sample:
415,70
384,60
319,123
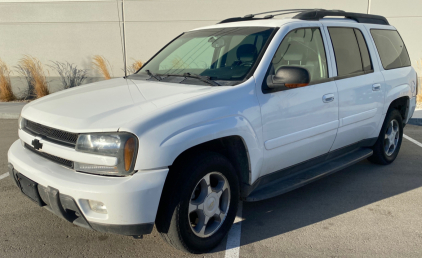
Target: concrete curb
8,116
415,121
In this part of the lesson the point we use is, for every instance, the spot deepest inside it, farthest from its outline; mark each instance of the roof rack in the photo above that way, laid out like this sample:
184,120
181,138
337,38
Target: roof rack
313,14
359,17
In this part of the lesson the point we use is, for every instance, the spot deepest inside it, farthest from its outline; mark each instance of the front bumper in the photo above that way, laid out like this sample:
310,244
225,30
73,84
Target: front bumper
131,202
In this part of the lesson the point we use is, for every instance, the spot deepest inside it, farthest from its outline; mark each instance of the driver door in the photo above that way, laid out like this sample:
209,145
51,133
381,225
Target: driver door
299,124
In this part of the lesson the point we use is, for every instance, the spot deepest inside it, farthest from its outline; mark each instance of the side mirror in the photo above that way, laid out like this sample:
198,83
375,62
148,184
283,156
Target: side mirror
289,77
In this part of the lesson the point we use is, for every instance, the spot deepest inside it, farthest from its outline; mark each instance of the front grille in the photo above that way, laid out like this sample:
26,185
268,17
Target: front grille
58,160
51,134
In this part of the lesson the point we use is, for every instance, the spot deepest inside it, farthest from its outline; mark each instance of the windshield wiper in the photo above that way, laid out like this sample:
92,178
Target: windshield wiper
155,76
205,79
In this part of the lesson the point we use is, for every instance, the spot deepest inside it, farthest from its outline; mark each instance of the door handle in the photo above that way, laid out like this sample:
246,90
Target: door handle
328,98
376,87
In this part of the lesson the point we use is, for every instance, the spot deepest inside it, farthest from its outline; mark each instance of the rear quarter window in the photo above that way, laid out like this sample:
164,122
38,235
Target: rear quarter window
391,48
351,51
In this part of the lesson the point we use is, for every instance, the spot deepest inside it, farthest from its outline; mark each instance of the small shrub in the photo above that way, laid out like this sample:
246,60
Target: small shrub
134,67
26,73
6,93
419,96
31,68
102,66
70,75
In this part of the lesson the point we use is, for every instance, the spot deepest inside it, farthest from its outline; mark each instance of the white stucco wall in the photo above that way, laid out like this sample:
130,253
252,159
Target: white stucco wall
75,31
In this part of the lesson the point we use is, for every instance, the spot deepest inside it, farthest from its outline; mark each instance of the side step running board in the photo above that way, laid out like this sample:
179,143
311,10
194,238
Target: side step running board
307,176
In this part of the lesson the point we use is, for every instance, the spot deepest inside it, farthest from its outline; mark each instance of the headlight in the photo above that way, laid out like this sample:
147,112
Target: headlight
123,146
21,122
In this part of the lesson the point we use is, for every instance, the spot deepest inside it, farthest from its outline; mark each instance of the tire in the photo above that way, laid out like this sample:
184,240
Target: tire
186,186
384,152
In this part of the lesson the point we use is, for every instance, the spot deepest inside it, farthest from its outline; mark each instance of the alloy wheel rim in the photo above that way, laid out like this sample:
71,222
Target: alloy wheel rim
209,204
391,137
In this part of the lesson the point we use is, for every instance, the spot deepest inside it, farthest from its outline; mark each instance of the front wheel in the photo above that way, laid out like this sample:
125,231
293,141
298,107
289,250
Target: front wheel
389,140
199,203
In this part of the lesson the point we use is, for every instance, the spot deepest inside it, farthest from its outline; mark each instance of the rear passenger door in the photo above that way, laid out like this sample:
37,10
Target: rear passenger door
359,83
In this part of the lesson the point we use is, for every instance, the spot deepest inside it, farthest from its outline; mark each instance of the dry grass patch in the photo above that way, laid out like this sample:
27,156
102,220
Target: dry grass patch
419,96
6,93
33,71
136,65
179,63
102,66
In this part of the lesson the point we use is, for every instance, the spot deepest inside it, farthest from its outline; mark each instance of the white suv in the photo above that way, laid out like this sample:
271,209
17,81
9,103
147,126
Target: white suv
246,109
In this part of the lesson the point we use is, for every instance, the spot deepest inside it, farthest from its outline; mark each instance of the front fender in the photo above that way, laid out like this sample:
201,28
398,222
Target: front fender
173,145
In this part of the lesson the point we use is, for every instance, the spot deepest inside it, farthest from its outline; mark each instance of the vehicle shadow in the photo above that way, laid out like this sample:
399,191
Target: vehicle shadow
345,191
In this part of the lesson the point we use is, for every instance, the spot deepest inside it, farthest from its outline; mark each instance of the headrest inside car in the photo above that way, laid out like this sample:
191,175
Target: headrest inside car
246,53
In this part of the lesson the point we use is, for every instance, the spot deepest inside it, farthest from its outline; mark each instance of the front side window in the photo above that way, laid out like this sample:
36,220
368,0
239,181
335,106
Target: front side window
351,51
391,48
226,54
303,48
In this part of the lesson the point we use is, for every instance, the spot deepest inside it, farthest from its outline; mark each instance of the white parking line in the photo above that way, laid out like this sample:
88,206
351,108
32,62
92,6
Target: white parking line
4,175
412,140
233,238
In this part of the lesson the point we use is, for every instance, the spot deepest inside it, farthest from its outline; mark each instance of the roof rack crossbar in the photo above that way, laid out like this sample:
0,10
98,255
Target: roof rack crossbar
278,11
277,14
249,17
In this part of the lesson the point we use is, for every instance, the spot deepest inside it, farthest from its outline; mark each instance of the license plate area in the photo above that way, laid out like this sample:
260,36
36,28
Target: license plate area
29,188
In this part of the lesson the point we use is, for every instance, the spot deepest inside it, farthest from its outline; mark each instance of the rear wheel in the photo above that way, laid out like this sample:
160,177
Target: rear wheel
389,140
199,203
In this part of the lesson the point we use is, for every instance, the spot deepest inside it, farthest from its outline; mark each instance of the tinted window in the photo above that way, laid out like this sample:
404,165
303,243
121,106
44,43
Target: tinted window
304,48
346,50
366,60
392,51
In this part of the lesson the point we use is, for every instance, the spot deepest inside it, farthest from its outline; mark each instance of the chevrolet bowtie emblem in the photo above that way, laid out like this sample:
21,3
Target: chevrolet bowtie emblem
37,145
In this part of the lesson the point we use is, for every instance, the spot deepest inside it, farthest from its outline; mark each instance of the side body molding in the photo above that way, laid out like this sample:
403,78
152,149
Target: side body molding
358,117
297,136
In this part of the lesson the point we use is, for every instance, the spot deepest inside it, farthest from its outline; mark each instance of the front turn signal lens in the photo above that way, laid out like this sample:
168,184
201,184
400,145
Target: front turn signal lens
129,152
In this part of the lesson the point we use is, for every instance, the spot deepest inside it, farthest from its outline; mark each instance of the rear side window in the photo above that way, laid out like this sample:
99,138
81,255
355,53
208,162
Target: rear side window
350,50
391,48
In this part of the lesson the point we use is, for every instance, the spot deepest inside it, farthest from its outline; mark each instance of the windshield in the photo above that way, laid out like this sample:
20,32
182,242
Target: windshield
226,54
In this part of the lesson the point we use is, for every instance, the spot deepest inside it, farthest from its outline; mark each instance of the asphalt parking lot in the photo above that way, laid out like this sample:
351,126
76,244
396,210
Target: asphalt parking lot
364,210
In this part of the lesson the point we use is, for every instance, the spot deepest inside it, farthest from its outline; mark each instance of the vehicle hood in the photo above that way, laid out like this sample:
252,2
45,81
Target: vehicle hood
107,105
